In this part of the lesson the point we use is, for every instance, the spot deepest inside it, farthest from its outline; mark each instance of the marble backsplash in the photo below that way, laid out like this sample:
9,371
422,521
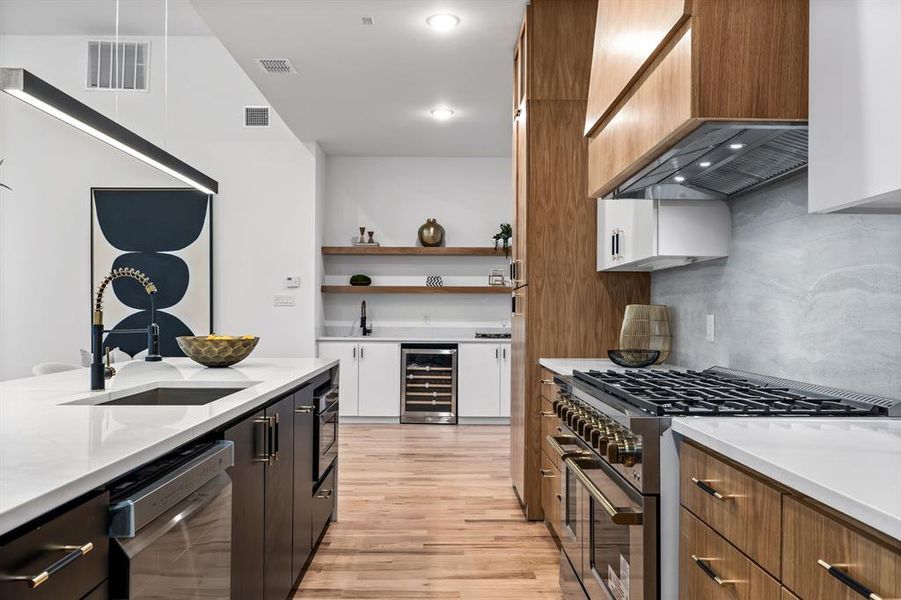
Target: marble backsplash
814,298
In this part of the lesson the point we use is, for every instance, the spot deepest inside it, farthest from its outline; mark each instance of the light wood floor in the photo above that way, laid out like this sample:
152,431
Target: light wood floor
428,511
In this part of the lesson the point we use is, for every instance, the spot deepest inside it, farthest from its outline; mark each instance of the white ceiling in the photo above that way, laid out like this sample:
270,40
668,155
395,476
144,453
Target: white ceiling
367,90
98,17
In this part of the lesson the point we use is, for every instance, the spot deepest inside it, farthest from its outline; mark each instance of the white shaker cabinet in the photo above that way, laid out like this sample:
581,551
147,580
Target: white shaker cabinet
483,380
369,377
855,106
649,235
379,379
346,353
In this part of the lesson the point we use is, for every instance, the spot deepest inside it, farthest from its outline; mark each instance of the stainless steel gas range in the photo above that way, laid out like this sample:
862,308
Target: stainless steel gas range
618,527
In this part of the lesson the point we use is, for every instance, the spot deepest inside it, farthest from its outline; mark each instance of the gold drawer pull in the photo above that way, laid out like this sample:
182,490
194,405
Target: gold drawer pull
848,581
548,413
547,381
33,581
702,564
546,473
706,487
325,495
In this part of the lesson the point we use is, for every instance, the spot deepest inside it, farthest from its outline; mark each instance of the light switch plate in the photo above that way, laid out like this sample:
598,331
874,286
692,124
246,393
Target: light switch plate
283,300
711,328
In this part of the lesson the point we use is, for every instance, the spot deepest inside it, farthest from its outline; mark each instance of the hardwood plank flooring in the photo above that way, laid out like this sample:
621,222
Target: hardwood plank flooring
428,511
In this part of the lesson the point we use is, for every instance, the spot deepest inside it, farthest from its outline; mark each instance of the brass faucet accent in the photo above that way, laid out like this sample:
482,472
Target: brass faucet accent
100,372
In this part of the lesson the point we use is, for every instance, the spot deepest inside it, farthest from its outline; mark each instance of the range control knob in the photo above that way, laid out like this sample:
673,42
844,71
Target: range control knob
599,440
625,451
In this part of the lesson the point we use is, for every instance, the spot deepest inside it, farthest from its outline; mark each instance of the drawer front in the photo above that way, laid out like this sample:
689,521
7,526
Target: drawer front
744,510
810,536
550,492
658,112
64,537
324,498
711,568
548,387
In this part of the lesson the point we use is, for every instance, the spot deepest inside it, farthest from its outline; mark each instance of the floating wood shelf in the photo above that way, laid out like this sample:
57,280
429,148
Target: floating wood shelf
414,289
411,251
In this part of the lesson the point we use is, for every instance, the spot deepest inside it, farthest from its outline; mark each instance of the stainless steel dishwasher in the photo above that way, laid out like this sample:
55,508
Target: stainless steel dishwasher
171,524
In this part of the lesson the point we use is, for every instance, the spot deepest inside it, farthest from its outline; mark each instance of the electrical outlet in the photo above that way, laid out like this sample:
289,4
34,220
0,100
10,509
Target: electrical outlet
283,300
711,328
292,281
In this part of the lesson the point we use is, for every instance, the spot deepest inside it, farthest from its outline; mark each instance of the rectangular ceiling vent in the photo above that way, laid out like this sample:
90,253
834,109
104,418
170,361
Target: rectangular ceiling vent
122,66
276,66
256,116
367,21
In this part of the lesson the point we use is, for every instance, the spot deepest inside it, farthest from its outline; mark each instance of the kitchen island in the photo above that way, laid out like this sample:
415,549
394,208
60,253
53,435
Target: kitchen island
57,442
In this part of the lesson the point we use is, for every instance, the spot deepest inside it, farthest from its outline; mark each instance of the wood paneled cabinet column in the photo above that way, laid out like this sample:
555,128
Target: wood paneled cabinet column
562,307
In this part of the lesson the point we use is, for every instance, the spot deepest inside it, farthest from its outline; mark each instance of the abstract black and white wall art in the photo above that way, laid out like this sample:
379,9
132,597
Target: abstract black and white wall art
166,234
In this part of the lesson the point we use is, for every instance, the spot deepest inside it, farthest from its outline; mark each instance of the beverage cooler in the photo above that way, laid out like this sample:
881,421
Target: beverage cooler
428,389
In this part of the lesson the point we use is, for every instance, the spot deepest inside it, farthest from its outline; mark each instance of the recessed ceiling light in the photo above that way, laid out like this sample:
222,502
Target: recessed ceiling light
736,146
705,164
679,178
442,113
443,22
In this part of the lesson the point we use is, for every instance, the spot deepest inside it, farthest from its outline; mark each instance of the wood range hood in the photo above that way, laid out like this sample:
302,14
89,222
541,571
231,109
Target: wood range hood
696,99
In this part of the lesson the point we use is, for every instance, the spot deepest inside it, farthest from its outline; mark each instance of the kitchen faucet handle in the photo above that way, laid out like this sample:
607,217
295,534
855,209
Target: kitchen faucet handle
108,370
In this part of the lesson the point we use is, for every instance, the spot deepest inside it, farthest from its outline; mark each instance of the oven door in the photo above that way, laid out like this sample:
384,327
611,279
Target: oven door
326,432
620,545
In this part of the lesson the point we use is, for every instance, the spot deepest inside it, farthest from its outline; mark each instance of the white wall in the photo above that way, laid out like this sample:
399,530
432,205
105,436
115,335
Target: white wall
393,196
264,215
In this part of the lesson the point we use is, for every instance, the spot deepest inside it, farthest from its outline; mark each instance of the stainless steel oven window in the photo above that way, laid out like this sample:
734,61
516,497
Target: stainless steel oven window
328,437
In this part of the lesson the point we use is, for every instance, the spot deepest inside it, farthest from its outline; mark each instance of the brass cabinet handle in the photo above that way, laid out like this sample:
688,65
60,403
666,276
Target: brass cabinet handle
849,581
324,495
546,473
304,409
548,413
708,489
702,564
563,453
547,381
620,516
33,581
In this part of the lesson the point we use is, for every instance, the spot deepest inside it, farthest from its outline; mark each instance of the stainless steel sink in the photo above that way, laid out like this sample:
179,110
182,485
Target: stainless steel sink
173,396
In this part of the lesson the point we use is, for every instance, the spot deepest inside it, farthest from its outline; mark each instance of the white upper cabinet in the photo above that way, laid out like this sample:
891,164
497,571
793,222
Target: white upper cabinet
855,106
649,235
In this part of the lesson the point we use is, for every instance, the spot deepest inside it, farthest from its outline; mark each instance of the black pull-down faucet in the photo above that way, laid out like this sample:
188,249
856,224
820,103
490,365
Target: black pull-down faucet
363,319
100,372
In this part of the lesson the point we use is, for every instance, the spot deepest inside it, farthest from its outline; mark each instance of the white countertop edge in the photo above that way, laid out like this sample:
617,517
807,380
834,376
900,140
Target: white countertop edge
414,340
848,505
77,487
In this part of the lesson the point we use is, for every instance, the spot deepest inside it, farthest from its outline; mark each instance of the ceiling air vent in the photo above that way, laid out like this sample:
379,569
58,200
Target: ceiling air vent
276,66
256,116
122,66
367,21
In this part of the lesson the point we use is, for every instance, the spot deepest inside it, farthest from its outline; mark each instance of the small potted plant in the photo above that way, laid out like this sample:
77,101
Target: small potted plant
504,236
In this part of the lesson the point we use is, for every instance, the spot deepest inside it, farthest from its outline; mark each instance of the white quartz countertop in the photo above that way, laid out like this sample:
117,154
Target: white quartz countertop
851,465
56,443
412,334
566,366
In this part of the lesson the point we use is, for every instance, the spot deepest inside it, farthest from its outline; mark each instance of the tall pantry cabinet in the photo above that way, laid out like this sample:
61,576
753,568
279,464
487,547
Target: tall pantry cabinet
562,307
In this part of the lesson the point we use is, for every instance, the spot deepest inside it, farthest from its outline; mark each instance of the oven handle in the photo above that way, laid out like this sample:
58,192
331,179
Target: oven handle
620,516
326,393
554,441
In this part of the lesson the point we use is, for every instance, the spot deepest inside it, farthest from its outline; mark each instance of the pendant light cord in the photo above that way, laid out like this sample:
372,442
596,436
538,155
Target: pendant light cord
116,61
166,78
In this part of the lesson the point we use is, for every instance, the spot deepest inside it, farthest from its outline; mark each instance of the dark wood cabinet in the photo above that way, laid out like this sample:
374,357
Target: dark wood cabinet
248,508
303,477
279,500
324,499
66,556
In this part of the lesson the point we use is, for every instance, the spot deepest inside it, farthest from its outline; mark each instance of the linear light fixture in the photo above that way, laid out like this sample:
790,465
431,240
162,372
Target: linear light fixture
38,93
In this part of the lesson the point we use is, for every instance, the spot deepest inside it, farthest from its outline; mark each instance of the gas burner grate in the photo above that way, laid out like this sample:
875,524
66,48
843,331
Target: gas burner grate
705,393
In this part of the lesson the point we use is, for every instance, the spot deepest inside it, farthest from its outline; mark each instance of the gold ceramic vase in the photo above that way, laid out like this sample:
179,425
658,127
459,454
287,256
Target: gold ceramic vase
646,327
431,234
